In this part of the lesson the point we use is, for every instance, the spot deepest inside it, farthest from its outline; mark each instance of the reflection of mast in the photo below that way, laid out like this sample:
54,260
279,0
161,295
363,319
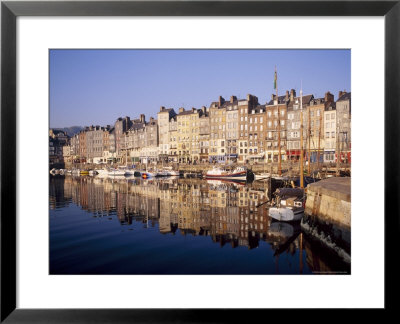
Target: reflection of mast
301,253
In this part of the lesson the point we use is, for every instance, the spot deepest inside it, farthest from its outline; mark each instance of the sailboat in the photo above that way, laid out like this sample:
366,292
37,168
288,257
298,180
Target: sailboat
290,202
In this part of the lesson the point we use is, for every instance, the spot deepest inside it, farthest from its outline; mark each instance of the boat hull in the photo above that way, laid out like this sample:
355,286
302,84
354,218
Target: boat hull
284,214
235,176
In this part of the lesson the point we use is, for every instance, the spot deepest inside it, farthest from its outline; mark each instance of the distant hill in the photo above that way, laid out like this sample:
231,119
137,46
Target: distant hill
71,131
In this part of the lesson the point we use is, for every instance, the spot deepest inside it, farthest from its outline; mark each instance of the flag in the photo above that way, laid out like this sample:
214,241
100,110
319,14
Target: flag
275,79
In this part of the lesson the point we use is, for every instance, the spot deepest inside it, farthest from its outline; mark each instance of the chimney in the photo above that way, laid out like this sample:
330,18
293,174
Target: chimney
329,97
287,95
162,108
233,98
341,93
221,101
181,110
272,97
204,109
142,118
292,94
193,109
249,96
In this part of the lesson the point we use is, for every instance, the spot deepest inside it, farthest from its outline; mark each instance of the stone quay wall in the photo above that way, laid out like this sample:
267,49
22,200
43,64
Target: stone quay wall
329,200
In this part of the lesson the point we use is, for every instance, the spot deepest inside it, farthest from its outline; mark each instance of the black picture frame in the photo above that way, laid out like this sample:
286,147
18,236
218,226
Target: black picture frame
10,10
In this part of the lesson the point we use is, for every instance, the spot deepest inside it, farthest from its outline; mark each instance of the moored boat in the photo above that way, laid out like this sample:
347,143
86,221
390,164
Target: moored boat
147,175
116,172
289,205
239,173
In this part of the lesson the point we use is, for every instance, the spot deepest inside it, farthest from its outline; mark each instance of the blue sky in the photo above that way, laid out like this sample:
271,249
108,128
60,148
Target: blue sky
95,87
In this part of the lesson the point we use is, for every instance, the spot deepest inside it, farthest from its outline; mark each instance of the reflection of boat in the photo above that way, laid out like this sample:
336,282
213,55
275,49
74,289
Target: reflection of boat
282,234
283,230
240,173
289,205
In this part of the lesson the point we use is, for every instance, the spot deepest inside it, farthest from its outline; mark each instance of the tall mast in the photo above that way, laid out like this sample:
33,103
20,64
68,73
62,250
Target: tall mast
309,141
338,153
301,139
319,139
279,125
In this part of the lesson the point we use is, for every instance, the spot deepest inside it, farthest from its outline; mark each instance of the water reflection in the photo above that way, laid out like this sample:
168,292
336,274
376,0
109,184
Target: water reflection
226,212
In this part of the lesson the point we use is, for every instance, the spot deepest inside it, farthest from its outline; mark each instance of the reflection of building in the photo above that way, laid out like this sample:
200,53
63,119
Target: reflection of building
225,211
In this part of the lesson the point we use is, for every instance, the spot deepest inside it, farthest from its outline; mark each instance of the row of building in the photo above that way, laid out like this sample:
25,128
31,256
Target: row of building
239,130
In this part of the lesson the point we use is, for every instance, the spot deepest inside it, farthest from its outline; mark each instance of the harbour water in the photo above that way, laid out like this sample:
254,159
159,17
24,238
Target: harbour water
175,226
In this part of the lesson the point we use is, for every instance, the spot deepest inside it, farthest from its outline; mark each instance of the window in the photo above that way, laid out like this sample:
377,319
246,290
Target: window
327,135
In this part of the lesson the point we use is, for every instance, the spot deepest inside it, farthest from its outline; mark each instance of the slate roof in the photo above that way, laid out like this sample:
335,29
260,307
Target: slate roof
346,96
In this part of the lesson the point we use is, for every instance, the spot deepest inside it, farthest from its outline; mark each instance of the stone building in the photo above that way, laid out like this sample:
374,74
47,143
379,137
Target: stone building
204,134
149,151
164,116
173,140
330,138
94,144
294,124
75,151
134,140
121,126
343,117
82,146
232,129
275,125
185,134
315,127
257,133
244,106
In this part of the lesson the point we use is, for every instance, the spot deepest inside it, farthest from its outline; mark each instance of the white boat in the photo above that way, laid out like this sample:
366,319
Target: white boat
262,176
289,205
166,172
93,172
116,172
240,173
127,170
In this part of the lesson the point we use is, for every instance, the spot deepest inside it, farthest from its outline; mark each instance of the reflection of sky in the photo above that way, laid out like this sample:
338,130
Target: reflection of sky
98,86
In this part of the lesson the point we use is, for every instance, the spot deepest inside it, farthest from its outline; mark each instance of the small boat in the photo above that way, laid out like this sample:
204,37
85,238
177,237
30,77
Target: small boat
53,171
84,172
147,175
92,172
116,172
289,205
240,173
262,176
75,172
126,170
